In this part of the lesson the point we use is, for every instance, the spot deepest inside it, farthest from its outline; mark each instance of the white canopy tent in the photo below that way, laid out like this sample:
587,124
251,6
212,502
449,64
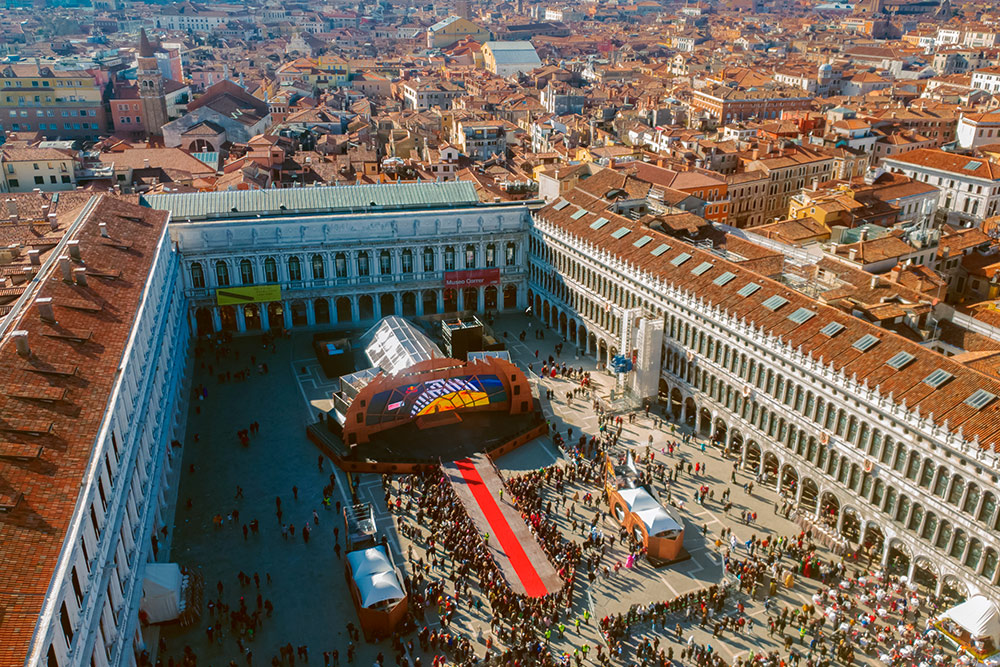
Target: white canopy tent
162,587
368,562
374,576
380,588
656,519
978,616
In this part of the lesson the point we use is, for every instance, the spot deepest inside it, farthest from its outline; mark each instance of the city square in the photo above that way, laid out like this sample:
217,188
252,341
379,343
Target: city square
298,585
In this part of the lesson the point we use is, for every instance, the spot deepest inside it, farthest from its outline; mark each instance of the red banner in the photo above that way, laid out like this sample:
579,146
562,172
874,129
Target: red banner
472,278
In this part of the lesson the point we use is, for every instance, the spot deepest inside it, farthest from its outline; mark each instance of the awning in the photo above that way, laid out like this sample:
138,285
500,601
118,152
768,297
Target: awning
161,591
978,616
380,588
657,521
374,576
638,499
367,562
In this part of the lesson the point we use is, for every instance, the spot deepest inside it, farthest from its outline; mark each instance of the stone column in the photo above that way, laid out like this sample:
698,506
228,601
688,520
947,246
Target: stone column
440,300
216,318
241,323
286,313
265,324
310,313
355,313
500,302
885,553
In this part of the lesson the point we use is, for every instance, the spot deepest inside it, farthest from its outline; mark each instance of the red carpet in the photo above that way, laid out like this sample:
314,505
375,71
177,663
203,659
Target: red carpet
500,530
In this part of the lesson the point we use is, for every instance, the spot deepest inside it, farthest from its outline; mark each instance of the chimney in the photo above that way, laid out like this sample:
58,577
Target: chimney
874,282
45,308
67,268
81,276
34,258
20,337
14,250
852,253
74,249
53,222
145,163
755,155
12,207
103,226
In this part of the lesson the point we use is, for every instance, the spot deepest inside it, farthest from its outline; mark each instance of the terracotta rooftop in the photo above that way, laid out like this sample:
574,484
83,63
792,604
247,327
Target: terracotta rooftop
82,373
963,165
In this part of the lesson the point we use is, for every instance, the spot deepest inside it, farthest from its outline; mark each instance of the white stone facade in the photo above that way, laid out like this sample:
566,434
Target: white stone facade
90,615
854,454
349,270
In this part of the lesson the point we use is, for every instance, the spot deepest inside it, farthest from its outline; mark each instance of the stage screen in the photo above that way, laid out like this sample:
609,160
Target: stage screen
424,398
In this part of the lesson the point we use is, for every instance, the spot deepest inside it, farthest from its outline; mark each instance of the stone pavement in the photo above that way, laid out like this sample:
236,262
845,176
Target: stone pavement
308,589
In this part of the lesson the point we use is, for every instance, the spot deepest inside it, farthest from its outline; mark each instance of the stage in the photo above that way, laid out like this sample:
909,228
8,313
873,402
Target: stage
477,431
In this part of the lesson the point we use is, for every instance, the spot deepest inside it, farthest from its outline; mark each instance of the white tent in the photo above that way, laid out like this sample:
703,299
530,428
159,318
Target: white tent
367,562
978,616
161,592
379,588
638,499
374,576
656,519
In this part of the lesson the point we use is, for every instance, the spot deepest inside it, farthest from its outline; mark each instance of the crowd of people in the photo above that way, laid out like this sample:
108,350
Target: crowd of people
873,615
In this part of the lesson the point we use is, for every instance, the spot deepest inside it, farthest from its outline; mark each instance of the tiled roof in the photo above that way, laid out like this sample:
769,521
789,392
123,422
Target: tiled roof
946,403
243,203
962,165
32,534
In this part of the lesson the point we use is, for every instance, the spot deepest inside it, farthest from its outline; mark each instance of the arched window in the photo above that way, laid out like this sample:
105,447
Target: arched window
385,263
902,509
428,259
958,544
449,258
270,270
340,265
988,508
294,269
197,275
990,564
491,255
318,268
510,253
246,272
930,525
971,500
975,553
470,256
955,492
406,261
927,477
944,536
221,274
364,264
